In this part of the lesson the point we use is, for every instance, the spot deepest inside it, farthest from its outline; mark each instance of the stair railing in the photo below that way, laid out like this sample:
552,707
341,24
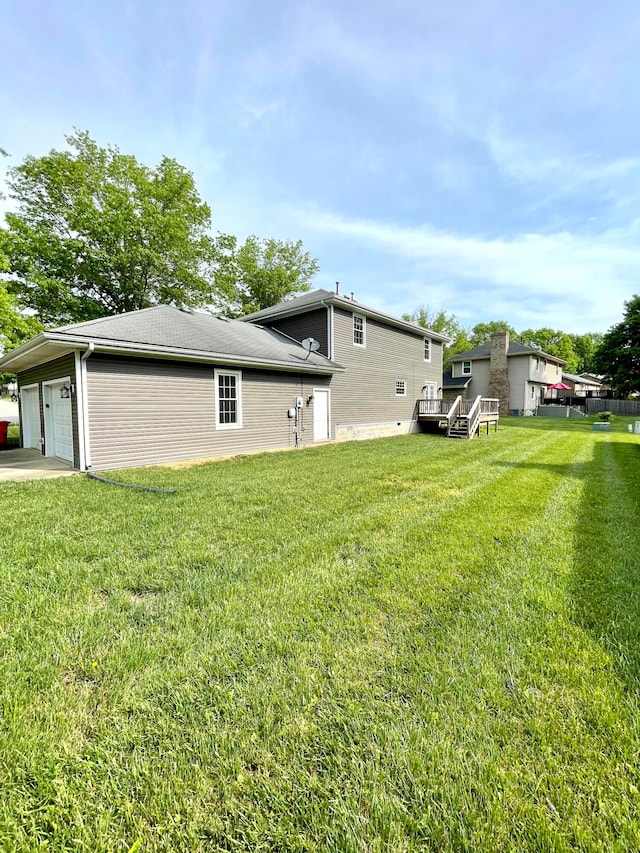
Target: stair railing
473,418
452,413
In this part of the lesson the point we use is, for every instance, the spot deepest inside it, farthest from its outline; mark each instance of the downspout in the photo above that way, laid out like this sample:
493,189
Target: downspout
84,418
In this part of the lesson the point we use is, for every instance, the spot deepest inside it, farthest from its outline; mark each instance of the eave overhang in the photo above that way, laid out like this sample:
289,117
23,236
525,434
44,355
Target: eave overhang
51,345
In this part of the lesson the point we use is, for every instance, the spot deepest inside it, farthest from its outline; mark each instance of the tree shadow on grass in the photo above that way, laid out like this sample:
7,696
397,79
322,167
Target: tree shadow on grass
605,585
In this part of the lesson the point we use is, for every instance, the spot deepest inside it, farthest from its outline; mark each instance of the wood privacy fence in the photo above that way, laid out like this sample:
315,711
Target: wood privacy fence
616,407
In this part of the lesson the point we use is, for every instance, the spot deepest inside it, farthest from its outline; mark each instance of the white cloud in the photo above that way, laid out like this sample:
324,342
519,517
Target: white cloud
528,278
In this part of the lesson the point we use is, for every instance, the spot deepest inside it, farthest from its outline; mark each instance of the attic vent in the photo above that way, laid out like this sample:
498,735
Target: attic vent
187,310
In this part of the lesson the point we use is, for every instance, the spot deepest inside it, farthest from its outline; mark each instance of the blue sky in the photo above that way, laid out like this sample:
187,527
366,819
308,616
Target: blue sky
479,156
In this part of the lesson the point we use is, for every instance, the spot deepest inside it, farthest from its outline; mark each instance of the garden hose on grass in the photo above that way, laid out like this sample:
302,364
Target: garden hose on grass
129,485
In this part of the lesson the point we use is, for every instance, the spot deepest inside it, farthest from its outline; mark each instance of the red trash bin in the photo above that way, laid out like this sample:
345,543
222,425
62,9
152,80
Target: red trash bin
4,426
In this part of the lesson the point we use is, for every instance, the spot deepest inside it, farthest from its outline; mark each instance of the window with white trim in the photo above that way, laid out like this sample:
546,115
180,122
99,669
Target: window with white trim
228,399
359,331
401,387
427,349
466,368
533,392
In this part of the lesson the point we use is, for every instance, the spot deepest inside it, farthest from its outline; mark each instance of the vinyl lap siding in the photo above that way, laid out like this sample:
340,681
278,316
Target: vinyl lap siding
519,371
144,412
365,393
313,324
480,378
57,369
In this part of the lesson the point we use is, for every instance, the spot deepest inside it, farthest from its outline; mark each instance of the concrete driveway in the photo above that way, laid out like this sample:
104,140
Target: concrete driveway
25,464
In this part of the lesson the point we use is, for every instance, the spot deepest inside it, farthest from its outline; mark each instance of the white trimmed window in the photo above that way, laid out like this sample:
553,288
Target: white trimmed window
359,331
228,399
427,349
401,387
466,368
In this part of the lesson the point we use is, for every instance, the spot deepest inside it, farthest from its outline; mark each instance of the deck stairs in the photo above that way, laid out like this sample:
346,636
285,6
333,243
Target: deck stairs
461,418
465,420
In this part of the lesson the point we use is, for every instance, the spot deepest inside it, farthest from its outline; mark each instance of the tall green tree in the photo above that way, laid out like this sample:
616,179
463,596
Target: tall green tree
97,233
481,332
260,273
585,346
554,342
15,327
441,321
618,356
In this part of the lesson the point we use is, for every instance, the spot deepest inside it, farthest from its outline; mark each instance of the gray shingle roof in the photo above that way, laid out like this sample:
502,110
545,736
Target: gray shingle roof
318,298
167,331
449,381
484,351
582,380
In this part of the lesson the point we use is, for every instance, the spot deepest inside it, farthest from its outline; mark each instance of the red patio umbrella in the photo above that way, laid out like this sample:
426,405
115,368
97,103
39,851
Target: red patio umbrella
560,386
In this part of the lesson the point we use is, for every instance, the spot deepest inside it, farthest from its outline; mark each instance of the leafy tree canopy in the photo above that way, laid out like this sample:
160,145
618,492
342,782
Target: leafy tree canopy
15,327
618,356
577,350
445,323
260,273
584,347
98,233
481,332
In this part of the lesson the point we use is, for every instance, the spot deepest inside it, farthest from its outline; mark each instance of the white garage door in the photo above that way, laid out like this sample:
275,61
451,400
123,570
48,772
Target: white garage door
30,416
58,423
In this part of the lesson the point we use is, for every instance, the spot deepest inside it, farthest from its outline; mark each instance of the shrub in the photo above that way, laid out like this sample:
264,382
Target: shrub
605,416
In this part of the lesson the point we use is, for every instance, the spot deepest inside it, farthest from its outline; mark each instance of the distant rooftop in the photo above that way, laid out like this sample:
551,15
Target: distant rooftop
484,351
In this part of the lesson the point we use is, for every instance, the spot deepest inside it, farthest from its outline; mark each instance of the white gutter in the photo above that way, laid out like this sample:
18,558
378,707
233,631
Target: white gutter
79,407
152,351
83,415
330,321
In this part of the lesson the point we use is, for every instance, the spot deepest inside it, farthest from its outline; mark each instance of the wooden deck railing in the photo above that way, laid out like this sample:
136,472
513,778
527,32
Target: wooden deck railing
433,406
489,406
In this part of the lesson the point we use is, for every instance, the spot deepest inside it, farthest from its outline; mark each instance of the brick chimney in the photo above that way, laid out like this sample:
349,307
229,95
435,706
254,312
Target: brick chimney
499,370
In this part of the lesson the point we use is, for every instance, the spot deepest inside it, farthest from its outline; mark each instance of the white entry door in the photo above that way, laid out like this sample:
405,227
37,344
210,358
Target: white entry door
30,416
321,429
58,422
430,390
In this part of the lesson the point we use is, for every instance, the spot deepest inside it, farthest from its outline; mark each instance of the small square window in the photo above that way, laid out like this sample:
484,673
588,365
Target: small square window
466,368
401,388
427,349
359,331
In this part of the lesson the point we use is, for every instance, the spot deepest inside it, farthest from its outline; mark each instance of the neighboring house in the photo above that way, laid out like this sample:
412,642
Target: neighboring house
166,384
388,362
513,373
579,386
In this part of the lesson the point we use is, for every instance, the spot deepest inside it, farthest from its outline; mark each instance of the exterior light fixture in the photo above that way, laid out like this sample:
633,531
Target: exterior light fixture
65,392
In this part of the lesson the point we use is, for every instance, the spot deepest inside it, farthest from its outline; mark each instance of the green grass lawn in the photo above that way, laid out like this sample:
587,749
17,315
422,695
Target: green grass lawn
399,645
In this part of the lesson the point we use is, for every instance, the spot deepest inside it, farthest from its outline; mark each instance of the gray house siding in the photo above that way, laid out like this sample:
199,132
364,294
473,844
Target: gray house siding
312,324
144,412
480,375
366,392
56,369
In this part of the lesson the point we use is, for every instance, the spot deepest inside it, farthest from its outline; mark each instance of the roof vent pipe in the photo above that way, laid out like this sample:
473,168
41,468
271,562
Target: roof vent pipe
352,295
337,288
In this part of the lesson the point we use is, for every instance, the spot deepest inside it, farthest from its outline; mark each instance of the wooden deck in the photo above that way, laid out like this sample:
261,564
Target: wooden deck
461,418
